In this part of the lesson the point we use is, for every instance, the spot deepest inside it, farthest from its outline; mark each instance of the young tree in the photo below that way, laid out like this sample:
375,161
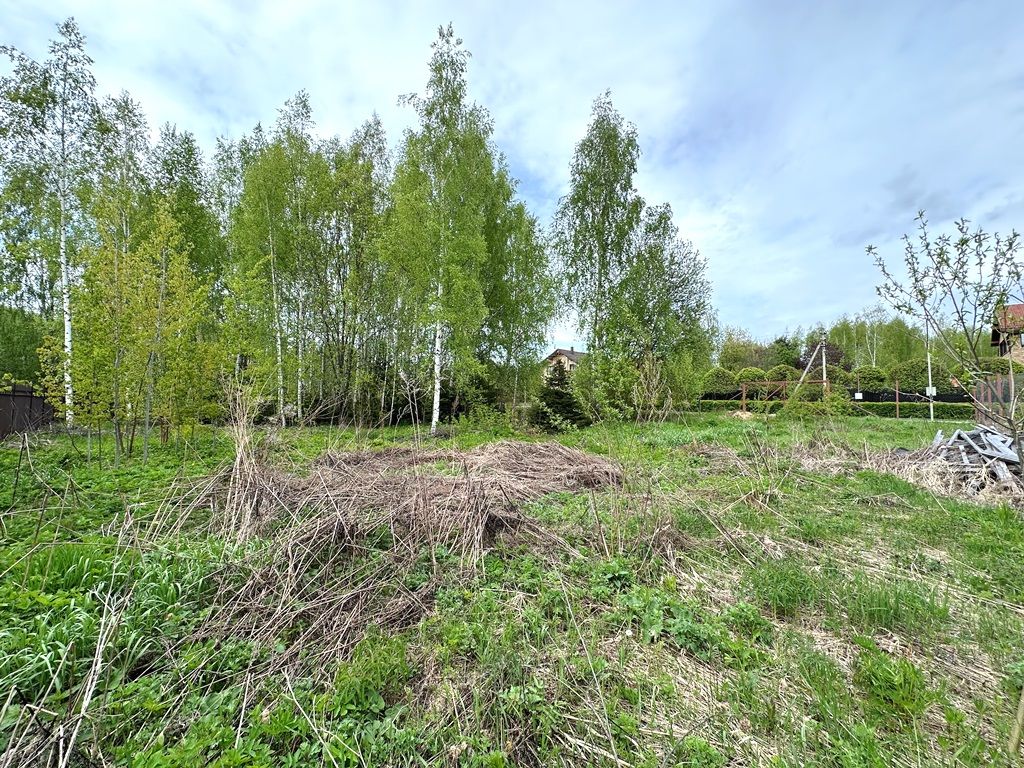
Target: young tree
436,236
46,124
596,222
954,286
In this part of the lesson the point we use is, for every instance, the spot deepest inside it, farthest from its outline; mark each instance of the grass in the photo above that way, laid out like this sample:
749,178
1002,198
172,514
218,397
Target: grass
733,604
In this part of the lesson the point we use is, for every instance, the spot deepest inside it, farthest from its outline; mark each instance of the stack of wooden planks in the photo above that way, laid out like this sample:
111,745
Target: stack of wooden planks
980,448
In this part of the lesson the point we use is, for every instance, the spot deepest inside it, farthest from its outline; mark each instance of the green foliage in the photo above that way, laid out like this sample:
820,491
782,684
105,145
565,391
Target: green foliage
917,410
605,385
895,689
807,402
22,333
720,381
695,752
838,377
784,587
783,372
740,351
751,375
869,378
912,376
999,365
557,408
660,615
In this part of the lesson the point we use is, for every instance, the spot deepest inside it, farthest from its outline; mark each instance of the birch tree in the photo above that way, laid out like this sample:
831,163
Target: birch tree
595,222
437,235
48,116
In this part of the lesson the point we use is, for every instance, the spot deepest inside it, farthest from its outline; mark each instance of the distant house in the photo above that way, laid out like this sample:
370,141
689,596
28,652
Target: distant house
1007,330
569,358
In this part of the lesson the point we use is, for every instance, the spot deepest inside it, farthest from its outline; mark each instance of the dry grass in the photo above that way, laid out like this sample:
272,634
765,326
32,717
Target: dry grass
330,553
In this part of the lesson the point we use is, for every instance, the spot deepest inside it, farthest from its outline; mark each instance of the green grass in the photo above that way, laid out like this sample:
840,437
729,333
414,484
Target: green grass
731,605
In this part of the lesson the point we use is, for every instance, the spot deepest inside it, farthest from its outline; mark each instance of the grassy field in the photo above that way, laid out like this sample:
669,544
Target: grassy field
752,593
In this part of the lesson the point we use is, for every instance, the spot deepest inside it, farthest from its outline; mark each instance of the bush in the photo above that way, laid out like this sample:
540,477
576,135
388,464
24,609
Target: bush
918,410
604,385
912,376
719,381
751,374
783,373
836,402
999,365
868,378
838,376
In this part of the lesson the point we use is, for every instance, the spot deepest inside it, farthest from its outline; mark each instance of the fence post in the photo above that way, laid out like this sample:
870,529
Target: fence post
743,397
897,398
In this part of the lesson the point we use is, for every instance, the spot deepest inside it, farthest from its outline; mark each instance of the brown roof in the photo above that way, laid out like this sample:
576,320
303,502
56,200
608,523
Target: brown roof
1009,319
572,354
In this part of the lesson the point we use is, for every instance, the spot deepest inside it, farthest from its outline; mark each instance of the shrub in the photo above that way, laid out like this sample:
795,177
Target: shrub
719,381
604,385
999,365
809,402
783,373
751,374
868,378
917,410
912,376
838,376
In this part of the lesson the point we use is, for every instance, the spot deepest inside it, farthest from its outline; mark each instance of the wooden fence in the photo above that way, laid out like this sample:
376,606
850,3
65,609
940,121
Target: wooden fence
995,395
22,410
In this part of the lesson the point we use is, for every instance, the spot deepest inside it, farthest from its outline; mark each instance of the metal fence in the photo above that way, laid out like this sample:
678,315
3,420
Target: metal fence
22,410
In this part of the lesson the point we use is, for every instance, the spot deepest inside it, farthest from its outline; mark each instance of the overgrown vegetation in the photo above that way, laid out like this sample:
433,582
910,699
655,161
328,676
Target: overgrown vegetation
707,592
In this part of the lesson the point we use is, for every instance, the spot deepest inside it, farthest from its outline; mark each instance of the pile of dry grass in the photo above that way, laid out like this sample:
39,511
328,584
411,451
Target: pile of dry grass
364,538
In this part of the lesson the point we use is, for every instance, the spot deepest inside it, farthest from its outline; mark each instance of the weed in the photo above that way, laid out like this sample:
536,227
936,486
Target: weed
785,587
894,688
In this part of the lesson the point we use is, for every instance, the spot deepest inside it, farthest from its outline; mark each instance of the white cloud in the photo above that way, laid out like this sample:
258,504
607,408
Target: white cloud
786,136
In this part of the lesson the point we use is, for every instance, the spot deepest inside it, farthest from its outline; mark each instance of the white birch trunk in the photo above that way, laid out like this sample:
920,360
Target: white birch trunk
65,291
435,415
301,353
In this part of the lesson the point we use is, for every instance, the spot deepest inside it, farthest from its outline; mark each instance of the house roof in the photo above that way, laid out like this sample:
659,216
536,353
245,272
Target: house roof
572,354
1009,319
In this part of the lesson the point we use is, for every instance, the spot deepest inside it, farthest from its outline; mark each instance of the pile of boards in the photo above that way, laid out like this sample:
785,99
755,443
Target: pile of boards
982,448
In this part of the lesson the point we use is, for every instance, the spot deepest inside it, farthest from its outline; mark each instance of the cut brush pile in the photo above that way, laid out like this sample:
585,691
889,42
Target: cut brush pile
362,540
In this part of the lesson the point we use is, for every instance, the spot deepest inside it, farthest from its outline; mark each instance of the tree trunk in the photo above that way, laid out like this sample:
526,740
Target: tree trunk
435,415
118,436
65,295
278,342
301,350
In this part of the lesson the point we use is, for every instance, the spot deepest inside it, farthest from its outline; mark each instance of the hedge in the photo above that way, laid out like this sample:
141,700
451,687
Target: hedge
918,410
952,411
754,406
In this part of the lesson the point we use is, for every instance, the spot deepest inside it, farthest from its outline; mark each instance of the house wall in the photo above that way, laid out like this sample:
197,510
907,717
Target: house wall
565,361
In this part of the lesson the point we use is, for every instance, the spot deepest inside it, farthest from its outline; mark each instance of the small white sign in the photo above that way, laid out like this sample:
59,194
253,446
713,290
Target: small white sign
931,391
858,395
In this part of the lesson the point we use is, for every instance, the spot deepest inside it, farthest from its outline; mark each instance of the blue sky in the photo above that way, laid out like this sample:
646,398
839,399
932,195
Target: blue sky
786,135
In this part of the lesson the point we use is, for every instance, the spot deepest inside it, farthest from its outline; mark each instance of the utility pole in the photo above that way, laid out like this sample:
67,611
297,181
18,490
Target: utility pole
824,367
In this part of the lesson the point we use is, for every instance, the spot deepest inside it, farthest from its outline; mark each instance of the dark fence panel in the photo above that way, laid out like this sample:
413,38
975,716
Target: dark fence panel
22,410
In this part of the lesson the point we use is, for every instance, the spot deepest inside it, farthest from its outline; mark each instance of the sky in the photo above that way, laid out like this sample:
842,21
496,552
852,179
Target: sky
786,135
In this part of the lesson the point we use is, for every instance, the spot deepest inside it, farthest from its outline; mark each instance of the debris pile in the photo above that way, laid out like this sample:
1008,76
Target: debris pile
983,450
980,463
